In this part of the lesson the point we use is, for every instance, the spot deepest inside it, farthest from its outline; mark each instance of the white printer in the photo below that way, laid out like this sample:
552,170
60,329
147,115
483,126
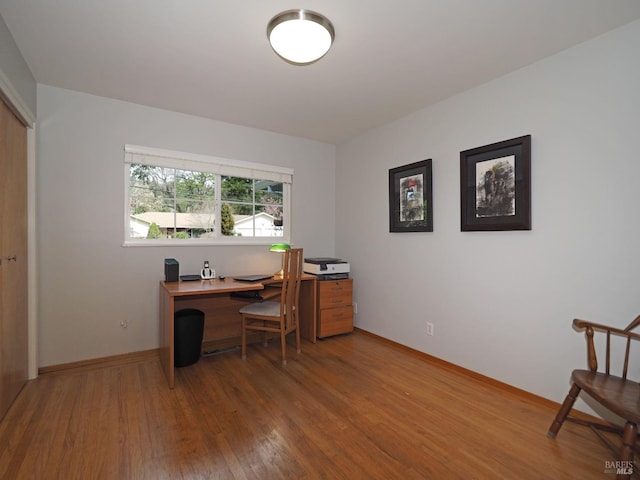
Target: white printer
327,268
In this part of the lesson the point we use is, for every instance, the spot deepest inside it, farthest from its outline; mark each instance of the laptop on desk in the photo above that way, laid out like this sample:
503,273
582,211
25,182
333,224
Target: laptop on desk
253,278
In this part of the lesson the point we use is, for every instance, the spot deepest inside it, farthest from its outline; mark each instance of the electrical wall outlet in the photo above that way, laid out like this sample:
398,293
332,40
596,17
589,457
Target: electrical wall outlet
430,329
355,308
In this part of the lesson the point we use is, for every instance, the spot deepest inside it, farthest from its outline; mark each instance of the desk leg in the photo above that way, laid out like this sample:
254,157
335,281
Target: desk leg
166,335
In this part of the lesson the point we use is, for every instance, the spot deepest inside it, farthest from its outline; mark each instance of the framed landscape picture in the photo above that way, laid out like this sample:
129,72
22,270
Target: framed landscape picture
410,198
495,186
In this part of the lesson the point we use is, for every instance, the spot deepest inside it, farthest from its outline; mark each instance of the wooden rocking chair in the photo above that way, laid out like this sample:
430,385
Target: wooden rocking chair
616,393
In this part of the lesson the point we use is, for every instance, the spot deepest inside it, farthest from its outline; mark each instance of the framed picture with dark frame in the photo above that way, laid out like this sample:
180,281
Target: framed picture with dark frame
495,186
410,198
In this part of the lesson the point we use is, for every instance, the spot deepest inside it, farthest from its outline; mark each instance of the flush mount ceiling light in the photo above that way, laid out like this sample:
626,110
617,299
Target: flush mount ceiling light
300,36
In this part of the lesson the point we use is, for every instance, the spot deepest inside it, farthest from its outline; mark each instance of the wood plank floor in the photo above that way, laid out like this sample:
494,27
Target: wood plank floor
349,407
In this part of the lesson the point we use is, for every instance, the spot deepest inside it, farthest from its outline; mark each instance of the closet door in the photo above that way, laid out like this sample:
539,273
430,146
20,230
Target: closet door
13,254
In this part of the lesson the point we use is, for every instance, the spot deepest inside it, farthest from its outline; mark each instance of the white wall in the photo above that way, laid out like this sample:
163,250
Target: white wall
14,70
502,302
89,282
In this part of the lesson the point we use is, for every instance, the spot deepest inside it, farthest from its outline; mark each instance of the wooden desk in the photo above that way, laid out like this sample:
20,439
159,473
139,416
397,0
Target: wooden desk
222,327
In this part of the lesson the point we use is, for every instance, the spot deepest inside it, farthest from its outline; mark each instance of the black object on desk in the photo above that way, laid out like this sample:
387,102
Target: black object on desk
190,278
171,270
253,278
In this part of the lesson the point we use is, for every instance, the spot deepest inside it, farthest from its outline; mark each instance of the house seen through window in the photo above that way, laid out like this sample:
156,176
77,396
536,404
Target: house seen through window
174,196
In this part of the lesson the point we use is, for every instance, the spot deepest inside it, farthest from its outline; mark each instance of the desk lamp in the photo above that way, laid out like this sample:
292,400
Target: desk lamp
280,247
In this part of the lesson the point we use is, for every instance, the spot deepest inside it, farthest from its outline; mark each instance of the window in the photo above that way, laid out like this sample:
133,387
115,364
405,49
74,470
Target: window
180,198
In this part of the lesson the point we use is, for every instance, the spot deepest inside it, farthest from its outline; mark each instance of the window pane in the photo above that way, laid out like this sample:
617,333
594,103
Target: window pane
243,220
151,196
269,221
269,201
195,204
150,187
236,189
268,192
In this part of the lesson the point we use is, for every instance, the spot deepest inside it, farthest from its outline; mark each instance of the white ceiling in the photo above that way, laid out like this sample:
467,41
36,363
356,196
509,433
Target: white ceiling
211,58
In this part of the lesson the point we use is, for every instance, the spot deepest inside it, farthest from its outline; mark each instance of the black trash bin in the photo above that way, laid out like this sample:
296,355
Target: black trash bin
188,327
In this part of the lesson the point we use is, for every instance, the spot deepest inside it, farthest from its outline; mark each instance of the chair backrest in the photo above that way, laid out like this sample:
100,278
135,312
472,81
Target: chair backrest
291,278
616,360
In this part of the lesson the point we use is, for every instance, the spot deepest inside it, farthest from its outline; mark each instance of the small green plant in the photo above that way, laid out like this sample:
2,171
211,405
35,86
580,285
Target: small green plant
154,231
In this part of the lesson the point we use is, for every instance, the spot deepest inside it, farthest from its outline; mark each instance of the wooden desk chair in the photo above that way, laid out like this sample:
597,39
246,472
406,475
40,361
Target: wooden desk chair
281,317
616,393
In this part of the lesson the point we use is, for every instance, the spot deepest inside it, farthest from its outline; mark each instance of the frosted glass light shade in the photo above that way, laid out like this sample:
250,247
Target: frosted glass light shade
300,36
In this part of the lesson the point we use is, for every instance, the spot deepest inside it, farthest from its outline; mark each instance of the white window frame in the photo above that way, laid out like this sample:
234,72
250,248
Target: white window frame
218,166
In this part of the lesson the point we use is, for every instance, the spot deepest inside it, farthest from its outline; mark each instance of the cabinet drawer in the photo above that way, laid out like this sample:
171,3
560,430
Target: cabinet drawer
334,321
335,293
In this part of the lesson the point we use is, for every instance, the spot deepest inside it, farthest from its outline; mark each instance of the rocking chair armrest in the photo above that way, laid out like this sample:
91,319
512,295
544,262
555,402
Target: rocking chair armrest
592,359
597,326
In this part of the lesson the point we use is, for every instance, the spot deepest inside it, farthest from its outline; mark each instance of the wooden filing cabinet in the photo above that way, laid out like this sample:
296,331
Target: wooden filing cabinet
335,307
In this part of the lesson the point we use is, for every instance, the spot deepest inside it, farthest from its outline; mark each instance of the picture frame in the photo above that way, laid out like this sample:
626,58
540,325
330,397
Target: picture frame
495,186
411,198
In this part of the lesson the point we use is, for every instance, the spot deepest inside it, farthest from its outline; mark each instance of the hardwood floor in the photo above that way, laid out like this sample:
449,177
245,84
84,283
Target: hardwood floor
350,407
